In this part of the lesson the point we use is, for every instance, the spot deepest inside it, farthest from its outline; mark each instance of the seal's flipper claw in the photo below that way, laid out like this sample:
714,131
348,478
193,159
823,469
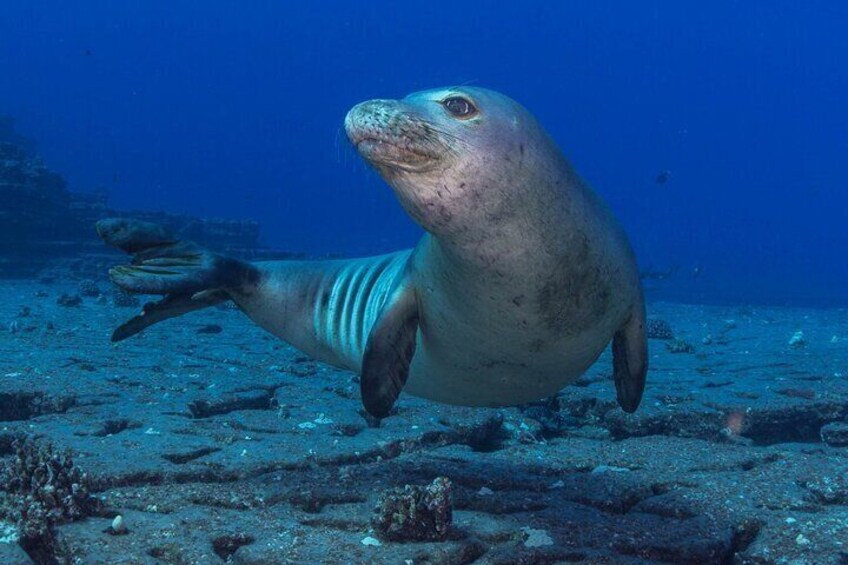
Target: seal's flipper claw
169,307
630,360
175,268
389,351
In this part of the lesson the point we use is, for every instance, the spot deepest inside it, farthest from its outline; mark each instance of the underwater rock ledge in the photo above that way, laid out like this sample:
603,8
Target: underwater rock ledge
42,222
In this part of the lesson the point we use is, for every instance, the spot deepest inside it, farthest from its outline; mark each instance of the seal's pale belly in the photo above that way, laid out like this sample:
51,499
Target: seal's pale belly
502,360
460,358
472,353
500,384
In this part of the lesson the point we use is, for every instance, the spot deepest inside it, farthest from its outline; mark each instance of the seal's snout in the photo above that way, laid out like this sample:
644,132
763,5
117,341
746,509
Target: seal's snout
368,119
389,134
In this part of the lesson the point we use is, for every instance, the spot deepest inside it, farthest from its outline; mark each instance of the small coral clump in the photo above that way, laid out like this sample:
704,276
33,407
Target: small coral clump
123,299
658,329
89,288
69,300
679,346
40,488
415,513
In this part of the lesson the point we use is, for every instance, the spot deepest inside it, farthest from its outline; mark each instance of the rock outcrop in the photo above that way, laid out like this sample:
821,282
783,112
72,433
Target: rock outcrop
44,225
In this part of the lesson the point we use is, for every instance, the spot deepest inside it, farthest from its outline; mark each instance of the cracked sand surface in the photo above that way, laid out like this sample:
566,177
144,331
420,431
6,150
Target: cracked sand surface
233,447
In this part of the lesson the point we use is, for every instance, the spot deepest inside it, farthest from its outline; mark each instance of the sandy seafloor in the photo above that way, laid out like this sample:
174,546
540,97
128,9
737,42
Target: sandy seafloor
195,438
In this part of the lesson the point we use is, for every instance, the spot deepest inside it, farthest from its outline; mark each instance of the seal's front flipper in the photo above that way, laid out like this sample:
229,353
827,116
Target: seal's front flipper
162,264
389,351
171,306
630,360
190,276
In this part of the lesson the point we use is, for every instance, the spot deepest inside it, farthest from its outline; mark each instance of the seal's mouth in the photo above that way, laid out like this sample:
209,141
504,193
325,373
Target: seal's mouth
401,153
389,138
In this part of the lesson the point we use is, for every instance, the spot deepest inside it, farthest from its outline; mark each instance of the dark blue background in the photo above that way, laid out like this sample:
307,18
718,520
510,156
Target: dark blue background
234,109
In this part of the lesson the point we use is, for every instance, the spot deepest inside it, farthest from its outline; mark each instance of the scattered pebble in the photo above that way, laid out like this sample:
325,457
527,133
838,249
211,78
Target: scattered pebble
536,538
118,527
69,300
797,340
323,420
610,469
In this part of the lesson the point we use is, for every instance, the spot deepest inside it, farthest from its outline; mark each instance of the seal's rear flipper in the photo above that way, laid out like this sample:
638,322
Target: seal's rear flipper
190,276
630,360
171,306
389,351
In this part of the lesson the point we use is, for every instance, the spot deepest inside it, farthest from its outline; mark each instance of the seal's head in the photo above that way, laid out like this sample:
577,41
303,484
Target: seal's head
454,155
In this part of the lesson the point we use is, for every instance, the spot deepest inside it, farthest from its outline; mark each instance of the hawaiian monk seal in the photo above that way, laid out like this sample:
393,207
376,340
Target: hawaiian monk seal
522,280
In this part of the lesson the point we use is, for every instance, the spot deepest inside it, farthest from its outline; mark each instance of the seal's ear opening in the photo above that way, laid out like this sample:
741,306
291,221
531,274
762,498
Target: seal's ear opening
389,351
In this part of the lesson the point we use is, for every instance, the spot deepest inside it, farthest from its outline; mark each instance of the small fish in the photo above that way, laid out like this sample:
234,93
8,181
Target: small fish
658,275
663,177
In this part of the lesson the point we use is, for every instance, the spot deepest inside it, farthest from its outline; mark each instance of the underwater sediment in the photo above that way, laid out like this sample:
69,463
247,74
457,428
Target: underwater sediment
230,445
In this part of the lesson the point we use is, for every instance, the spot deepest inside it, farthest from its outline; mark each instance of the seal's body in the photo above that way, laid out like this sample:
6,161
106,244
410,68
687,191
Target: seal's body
523,278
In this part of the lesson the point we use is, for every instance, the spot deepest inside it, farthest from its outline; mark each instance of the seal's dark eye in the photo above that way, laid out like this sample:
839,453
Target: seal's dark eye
459,107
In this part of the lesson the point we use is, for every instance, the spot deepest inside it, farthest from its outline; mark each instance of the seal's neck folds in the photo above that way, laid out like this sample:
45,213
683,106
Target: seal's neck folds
473,168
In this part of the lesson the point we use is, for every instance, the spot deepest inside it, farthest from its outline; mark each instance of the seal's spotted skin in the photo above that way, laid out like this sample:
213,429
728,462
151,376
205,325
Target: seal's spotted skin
522,281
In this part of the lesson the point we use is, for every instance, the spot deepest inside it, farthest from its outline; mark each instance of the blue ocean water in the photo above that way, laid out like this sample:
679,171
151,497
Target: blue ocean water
234,110
718,134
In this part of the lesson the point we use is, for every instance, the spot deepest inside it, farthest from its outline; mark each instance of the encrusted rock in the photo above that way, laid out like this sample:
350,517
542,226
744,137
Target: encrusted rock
551,419
835,434
829,489
415,513
484,433
40,488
